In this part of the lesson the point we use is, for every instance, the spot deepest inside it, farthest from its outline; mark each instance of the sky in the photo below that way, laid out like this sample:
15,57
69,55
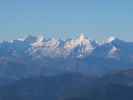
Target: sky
98,19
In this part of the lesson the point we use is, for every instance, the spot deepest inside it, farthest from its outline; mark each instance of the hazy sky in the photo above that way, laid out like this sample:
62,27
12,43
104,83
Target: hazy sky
97,18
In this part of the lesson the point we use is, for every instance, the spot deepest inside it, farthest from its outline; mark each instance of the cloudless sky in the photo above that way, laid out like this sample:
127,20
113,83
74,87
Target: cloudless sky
96,18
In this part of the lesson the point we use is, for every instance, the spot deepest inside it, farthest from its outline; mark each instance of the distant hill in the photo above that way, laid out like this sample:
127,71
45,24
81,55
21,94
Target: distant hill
71,86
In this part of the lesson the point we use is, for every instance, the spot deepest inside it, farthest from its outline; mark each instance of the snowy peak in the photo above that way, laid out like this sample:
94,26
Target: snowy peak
110,39
82,38
40,38
80,46
39,42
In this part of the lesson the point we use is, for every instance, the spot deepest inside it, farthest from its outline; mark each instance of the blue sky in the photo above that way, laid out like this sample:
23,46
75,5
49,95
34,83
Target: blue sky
96,18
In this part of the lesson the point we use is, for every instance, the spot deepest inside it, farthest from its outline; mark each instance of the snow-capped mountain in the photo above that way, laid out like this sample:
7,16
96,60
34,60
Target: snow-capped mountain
78,47
37,55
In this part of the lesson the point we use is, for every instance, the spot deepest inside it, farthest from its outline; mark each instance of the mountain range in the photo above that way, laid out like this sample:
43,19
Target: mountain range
37,68
36,55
